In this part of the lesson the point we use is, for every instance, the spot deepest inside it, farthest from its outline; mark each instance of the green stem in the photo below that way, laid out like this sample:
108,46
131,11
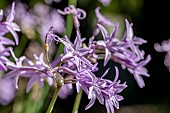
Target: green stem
69,27
77,101
50,108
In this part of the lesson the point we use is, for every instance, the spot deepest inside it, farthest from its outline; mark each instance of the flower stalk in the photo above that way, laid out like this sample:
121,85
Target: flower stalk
77,101
50,108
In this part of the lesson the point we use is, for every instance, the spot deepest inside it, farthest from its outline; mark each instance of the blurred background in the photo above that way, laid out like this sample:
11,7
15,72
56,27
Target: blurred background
150,21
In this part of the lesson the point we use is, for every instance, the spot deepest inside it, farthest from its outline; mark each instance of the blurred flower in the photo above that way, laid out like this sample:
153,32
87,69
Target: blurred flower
164,47
105,2
40,19
65,91
7,91
51,1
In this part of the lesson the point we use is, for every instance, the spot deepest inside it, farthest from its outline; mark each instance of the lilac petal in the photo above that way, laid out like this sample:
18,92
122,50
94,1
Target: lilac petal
129,30
100,97
50,81
67,56
14,34
30,83
119,98
101,43
139,41
104,32
113,34
84,87
11,74
84,60
91,102
107,106
10,17
40,81
107,56
1,14
110,106
77,41
15,27
104,74
143,63
117,74
41,59
102,19
105,2
69,71
158,47
56,61
90,95
139,80
2,66
16,81
115,102
78,87
6,41
67,45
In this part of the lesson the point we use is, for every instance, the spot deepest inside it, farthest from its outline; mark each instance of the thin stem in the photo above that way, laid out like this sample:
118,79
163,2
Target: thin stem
50,108
77,101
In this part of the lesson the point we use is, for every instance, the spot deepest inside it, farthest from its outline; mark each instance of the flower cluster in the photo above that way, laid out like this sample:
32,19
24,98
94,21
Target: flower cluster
78,64
37,20
5,27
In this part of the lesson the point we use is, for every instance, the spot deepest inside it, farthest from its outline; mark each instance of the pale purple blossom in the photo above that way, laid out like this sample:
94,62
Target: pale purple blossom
105,2
40,19
102,19
7,91
78,14
164,47
36,72
124,51
104,90
65,91
8,25
51,1
73,51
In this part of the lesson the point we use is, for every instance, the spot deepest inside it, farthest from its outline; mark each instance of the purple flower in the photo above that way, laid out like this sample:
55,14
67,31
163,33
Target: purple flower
73,52
125,51
7,91
65,91
105,91
77,14
164,47
105,2
9,25
36,72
